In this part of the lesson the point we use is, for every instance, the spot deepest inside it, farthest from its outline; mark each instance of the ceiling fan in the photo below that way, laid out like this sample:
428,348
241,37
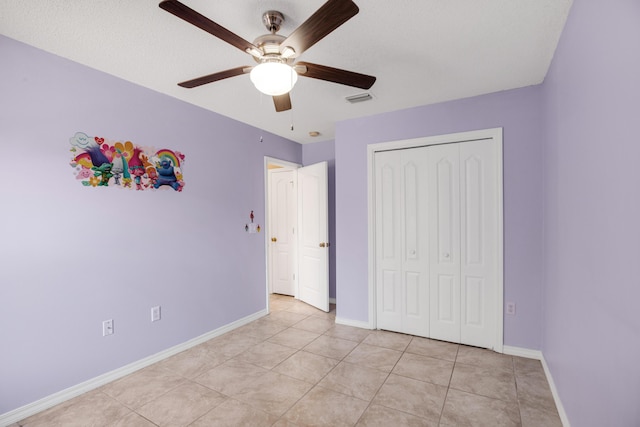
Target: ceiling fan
277,69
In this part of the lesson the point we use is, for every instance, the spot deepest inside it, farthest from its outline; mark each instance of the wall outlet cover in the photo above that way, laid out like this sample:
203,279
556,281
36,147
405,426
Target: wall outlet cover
107,327
155,313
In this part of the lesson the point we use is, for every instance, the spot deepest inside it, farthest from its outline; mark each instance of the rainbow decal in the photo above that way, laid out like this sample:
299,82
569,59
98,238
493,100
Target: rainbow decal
170,154
84,160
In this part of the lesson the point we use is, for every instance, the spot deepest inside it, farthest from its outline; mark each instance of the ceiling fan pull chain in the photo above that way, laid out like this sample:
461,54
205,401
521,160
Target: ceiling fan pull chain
291,117
291,110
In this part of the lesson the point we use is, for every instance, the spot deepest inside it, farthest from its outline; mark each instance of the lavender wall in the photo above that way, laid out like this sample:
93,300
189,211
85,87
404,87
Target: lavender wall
320,152
74,256
591,331
519,113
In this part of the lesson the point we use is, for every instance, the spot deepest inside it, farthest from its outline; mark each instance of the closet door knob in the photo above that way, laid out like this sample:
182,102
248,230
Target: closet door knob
446,254
273,239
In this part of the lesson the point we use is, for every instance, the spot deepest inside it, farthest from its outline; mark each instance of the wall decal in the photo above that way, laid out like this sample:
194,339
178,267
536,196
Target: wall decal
251,227
103,163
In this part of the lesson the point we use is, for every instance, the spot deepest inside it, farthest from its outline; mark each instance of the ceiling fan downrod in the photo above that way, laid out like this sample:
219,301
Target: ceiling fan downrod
272,19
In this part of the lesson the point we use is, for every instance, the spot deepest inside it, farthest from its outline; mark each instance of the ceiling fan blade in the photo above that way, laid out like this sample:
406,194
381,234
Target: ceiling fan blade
326,19
282,102
206,24
214,77
335,75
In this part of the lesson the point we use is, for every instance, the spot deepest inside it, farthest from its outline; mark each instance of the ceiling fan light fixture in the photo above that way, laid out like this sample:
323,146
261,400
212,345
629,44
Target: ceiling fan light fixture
273,78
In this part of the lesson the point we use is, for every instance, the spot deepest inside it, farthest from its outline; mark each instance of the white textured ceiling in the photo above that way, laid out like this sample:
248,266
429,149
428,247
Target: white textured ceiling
421,51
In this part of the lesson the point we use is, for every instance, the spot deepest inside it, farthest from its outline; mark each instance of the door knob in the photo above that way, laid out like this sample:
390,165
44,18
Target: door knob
322,245
446,254
273,239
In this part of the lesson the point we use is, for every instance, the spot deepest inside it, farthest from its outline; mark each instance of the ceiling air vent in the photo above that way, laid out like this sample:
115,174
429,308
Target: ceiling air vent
359,98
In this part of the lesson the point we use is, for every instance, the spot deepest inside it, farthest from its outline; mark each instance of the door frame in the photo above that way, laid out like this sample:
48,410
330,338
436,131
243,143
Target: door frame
286,165
494,134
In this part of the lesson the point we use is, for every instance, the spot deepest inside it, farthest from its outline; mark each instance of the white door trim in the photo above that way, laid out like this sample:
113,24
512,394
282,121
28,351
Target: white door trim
495,134
267,253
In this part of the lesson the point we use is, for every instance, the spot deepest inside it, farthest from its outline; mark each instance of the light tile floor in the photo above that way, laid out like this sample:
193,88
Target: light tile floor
296,367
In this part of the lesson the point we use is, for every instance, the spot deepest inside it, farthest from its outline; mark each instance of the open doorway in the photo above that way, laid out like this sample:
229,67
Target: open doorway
296,239
281,225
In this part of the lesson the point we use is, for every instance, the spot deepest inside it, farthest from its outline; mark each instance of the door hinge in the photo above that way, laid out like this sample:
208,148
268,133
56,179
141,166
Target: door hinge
294,276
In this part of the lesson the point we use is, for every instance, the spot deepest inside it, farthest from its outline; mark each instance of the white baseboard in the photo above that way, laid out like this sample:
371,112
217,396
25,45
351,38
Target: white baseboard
355,323
33,408
538,355
522,352
556,396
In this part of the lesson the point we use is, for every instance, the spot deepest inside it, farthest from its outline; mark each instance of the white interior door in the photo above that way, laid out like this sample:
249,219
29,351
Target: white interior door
282,217
313,244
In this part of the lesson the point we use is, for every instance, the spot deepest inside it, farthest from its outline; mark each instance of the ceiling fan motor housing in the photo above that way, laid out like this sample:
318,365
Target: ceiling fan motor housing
269,44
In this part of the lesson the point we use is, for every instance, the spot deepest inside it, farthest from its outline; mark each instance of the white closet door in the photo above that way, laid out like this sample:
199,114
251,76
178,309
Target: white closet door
479,228
388,256
402,248
415,241
437,237
444,242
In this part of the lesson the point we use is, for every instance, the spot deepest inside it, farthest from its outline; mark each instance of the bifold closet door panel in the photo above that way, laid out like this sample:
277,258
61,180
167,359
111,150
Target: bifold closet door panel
388,241
402,287
415,238
479,228
444,241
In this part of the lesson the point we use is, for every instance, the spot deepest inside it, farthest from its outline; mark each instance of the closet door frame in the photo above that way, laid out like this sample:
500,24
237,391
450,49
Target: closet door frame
494,134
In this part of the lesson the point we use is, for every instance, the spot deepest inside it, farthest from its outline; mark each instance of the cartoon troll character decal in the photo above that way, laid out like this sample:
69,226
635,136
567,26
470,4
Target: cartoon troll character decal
101,163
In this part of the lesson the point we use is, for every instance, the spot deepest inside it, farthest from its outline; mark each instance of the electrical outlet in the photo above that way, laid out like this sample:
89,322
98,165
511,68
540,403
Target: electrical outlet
511,308
107,327
155,313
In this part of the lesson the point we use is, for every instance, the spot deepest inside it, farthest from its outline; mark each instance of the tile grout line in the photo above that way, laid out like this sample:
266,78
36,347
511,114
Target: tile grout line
313,386
515,379
381,385
444,402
